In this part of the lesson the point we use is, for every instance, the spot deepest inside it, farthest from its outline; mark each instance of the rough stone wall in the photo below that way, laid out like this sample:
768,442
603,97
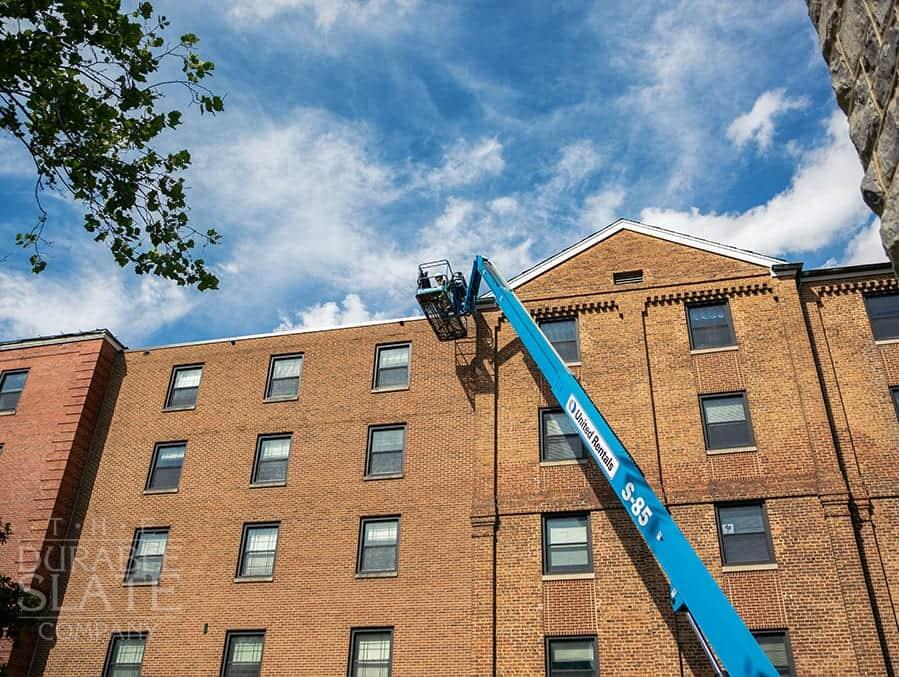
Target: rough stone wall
860,43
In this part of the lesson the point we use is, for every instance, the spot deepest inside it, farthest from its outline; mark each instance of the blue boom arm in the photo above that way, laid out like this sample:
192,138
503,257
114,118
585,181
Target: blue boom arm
693,590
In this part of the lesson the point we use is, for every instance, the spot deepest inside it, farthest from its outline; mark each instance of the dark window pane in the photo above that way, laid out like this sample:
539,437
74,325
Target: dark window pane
710,326
13,382
563,336
895,394
884,313
390,463
272,456
379,545
285,377
560,438
371,654
260,545
125,656
744,534
166,473
567,546
185,384
147,556
9,401
393,367
726,422
572,658
385,451
244,657
774,644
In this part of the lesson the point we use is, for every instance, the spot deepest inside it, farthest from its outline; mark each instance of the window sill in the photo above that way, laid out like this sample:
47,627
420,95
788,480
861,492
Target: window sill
263,485
730,450
763,566
8,412
376,574
272,400
392,389
139,584
574,364
392,476
586,575
567,461
718,349
150,492
886,342
254,579
167,409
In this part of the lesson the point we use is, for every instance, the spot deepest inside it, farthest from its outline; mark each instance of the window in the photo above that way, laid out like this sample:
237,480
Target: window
378,545
125,655
272,455
710,326
385,450
257,551
563,335
392,367
559,439
893,391
11,385
147,552
184,387
776,646
566,544
284,377
370,652
883,311
165,471
725,419
571,657
745,538
628,277
243,654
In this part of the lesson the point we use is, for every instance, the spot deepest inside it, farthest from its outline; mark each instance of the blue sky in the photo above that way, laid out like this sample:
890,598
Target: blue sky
360,138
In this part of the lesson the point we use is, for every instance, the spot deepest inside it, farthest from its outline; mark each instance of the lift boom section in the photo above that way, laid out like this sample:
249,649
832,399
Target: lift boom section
447,300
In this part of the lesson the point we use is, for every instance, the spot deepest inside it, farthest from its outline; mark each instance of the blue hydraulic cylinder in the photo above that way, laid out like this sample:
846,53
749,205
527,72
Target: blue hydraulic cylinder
693,590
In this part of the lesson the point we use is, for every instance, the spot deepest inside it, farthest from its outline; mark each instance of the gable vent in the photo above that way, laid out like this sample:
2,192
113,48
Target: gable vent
628,277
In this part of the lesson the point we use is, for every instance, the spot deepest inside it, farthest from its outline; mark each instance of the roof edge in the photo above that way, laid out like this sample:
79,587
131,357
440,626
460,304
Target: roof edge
645,229
271,334
105,334
858,270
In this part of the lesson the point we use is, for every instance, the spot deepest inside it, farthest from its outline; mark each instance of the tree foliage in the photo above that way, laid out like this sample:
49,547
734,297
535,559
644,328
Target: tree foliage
14,602
76,90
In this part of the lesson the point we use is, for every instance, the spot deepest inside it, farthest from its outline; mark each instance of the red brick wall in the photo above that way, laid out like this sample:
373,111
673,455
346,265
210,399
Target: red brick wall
45,442
315,598
638,367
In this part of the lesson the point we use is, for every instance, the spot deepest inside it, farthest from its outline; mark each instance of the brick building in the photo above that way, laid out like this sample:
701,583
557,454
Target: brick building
369,501
50,394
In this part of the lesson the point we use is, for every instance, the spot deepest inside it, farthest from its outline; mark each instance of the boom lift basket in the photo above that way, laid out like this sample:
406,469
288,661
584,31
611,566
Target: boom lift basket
441,294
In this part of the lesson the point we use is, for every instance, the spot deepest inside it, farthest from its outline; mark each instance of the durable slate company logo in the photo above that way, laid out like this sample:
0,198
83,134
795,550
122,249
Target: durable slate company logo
608,462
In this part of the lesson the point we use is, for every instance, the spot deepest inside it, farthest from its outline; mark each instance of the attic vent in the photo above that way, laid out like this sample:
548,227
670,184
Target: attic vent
628,277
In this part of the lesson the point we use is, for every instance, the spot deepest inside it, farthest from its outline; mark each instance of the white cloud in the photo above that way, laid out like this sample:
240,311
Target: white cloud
465,163
579,160
327,13
88,299
758,124
14,159
865,246
695,58
503,205
330,314
601,208
821,202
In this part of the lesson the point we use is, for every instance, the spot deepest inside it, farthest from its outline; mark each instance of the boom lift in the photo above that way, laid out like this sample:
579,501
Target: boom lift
447,300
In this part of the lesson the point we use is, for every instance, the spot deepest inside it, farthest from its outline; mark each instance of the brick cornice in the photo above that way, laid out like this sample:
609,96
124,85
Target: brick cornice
888,284
710,294
569,310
